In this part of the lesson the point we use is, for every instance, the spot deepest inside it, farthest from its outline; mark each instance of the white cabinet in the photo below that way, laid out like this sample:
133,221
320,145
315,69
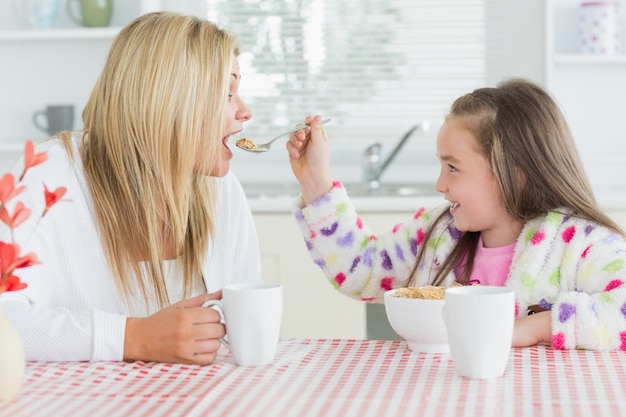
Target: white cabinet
56,66
312,307
591,90
49,66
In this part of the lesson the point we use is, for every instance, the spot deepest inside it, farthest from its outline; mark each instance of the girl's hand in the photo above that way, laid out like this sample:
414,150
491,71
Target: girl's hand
184,332
309,155
533,329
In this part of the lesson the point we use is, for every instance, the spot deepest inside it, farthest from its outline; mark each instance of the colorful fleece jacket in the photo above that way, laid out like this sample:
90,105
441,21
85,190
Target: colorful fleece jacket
572,266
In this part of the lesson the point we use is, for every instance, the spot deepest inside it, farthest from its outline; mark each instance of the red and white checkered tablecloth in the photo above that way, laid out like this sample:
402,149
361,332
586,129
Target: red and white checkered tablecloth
330,378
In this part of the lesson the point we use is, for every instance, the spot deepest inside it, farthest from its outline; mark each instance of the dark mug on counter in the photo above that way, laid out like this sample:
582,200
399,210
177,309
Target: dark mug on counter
58,117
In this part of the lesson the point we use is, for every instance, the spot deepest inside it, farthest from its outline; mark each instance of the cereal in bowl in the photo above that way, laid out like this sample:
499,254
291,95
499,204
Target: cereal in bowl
428,292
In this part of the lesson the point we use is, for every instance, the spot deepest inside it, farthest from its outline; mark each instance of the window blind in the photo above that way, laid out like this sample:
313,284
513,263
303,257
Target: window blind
376,67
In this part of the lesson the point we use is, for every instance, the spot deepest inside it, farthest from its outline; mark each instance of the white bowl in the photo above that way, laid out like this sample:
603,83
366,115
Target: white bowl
418,321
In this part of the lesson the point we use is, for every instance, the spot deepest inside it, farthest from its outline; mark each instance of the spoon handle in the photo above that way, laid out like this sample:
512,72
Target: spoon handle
295,129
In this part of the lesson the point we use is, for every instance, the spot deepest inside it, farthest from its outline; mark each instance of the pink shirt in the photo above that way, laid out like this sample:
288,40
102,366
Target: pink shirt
491,265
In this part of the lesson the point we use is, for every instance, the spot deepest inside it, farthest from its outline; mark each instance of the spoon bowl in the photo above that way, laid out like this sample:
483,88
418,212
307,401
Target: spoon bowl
250,146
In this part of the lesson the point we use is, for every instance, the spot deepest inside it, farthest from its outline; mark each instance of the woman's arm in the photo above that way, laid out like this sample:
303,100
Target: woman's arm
185,332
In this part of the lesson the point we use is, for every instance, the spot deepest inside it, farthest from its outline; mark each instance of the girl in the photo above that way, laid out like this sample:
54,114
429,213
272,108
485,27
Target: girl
521,213
152,219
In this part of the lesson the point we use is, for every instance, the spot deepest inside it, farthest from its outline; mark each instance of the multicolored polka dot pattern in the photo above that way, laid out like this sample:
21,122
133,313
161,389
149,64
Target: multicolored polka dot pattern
565,264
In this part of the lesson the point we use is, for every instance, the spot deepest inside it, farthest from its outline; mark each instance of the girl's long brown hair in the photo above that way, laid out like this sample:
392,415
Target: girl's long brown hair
525,138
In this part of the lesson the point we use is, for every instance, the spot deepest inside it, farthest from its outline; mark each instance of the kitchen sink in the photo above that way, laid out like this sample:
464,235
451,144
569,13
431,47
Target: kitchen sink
390,189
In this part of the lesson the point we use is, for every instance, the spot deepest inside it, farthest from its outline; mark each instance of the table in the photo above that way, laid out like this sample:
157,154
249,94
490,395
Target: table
330,378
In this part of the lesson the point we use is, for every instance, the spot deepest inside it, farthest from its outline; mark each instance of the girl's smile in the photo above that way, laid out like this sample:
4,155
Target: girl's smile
467,182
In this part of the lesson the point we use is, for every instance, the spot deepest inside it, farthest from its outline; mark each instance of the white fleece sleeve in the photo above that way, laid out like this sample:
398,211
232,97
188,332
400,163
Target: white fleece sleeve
56,334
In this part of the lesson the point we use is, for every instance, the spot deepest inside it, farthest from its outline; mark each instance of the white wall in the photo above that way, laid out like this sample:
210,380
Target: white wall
34,73
515,40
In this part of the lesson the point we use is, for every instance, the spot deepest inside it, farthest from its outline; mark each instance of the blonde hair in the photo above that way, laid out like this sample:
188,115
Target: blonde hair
525,138
155,113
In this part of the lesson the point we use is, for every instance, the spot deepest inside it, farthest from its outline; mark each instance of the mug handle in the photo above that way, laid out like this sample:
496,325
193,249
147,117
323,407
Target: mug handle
218,306
36,116
70,12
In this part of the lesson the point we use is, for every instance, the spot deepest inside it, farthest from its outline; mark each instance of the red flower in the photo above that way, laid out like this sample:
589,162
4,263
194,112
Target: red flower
52,197
20,214
10,257
7,188
11,283
31,158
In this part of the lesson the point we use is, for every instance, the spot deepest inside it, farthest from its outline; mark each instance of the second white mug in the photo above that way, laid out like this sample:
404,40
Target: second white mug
479,322
252,313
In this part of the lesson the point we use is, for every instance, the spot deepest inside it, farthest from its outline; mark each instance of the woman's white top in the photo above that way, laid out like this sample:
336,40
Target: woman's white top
71,310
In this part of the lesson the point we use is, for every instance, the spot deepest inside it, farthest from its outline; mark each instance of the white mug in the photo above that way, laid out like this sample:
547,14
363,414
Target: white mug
479,322
252,313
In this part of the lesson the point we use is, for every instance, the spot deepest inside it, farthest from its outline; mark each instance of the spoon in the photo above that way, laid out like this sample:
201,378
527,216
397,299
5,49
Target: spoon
250,146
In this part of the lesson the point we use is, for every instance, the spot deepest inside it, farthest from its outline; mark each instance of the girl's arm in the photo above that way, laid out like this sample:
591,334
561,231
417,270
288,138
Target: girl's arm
590,313
357,262
309,155
532,330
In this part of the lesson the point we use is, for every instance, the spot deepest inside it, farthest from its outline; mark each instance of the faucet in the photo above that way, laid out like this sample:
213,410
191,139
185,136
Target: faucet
373,168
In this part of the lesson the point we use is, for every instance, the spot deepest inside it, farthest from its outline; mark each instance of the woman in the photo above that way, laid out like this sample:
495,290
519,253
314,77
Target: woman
152,218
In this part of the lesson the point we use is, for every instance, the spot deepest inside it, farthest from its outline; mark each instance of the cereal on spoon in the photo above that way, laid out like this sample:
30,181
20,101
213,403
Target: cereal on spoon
246,143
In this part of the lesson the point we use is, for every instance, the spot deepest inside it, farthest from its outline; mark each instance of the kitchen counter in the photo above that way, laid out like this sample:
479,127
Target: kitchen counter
283,204
390,198
610,202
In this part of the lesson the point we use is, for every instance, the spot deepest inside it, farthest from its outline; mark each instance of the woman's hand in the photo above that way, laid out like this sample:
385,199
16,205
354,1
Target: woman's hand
533,329
309,155
185,332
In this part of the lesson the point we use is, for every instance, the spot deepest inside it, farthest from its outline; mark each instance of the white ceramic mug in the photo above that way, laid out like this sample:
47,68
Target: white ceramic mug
479,322
252,313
